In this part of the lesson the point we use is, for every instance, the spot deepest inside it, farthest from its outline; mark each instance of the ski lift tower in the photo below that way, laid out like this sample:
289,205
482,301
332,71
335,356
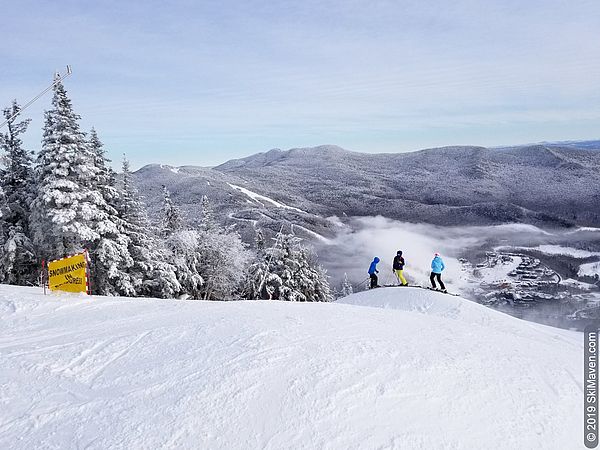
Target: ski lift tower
58,77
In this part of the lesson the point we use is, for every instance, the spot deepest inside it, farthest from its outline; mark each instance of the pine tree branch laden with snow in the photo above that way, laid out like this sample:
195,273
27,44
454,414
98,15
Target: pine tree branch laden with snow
18,264
64,205
74,206
287,271
151,273
172,220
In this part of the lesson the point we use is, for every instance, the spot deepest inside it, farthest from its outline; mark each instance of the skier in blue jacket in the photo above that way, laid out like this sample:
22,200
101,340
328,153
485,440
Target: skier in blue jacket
373,272
437,266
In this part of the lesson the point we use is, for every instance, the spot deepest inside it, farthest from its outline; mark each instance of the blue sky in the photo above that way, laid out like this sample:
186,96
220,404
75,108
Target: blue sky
199,82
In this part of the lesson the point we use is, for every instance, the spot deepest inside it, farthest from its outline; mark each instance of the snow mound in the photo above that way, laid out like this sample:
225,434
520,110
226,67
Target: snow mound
388,368
424,301
441,307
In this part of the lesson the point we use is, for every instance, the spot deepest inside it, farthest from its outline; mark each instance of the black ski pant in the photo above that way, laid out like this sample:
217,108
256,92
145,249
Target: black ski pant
433,277
373,280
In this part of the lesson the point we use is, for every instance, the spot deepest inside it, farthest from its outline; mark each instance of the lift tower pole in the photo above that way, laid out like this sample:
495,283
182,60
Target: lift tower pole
57,79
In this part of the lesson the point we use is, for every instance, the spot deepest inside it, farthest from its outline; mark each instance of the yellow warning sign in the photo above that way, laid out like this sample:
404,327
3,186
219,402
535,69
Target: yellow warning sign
68,274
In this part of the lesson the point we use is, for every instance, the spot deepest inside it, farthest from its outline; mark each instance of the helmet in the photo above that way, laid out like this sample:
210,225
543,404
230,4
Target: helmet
399,252
436,254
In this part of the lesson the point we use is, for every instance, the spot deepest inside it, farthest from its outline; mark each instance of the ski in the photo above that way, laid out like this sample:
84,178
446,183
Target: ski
416,286
441,292
419,287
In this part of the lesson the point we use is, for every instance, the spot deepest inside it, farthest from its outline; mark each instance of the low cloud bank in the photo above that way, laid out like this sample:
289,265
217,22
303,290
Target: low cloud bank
364,238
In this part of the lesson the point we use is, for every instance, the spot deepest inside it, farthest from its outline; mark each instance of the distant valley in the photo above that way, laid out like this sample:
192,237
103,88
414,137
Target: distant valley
458,200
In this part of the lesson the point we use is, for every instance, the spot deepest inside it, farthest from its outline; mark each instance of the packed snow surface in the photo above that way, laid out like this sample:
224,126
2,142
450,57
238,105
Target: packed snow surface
390,368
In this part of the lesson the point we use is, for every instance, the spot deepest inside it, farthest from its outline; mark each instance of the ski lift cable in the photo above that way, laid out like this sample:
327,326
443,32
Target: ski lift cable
58,78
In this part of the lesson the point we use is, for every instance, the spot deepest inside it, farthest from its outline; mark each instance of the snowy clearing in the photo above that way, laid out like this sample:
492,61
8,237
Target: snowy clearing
519,227
171,168
389,368
499,272
569,251
579,284
585,229
589,269
261,199
553,250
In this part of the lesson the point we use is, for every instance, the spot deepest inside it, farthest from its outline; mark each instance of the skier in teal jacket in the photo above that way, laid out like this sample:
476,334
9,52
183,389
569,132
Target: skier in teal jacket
437,267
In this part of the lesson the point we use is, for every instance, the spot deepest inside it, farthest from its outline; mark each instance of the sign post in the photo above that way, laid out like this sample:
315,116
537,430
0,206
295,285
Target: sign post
43,275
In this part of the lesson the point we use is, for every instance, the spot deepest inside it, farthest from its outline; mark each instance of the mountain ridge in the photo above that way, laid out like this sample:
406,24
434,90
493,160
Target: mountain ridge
276,153
549,186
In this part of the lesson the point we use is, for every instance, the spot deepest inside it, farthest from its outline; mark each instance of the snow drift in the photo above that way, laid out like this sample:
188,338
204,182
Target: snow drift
390,368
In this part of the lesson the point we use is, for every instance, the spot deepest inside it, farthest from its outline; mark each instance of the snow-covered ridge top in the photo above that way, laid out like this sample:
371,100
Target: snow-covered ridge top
276,154
174,169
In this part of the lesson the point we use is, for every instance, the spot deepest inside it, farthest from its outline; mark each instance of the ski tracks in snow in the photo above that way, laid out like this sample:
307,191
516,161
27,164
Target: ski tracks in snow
438,373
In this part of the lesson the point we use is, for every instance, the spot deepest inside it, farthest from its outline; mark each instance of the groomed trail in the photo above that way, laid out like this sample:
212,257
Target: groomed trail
390,368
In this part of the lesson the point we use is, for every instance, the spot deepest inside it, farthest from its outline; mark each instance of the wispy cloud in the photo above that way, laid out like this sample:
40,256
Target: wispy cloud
222,79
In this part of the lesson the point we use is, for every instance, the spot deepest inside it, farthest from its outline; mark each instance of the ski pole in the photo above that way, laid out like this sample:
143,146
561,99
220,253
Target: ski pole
58,78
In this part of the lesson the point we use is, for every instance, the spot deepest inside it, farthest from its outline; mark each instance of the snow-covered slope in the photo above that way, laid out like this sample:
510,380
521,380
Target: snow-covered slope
390,368
261,199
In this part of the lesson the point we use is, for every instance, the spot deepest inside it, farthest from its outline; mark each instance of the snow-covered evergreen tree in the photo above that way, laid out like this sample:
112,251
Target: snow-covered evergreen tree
183,253
207,221
64,209
288,271
346,288
72,209
104,178
18,264
182,246
255,284
110,253
171,220
315,277
302,279
150,272
259,240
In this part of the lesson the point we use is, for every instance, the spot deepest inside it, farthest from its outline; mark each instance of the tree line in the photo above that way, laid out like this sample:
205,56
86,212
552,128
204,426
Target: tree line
66,199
